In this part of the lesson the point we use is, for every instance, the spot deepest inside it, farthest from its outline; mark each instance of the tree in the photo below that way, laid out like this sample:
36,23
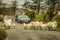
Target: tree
0,7
51,9
35,5
3,8
14,6
31,5
26,4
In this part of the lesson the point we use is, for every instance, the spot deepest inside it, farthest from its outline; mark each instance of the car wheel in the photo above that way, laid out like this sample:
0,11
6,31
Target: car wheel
17,21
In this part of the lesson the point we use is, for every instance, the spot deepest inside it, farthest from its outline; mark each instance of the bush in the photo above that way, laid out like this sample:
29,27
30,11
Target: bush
30,14
58,25
47,18
1,18
56,18
39,17
3,34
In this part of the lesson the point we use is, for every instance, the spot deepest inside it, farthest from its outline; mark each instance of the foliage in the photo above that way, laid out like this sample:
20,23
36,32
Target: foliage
3,34
51,9
7,12
47,18
56,18
58,25
26,4
14,6
39,17
35,5
50,12
3,9
1,18
30,14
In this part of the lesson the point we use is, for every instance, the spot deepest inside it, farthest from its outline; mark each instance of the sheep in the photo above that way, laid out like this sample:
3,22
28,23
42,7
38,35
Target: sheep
36,25
14,25
52,25
44,26
27,26
31,25
8,25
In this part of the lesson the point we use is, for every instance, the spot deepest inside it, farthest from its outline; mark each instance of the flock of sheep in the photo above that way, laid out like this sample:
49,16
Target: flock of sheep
41,25
34,25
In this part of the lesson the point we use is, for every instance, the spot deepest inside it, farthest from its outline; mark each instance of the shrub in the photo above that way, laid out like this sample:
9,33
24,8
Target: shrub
30,14
39,17
1,18
47,18
56,18
3,34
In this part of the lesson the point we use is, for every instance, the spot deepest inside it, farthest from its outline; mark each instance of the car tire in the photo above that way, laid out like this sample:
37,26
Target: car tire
17,21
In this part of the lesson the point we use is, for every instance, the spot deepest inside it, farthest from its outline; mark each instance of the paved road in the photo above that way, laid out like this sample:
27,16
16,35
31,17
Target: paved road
20,34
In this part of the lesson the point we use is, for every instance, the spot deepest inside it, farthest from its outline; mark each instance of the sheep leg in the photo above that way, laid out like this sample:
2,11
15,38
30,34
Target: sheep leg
8,27
5,27
40,28
25,27
34,27
37,27
14,27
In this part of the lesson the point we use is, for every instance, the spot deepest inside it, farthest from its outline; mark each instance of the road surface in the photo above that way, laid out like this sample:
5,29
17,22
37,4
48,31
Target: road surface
20,34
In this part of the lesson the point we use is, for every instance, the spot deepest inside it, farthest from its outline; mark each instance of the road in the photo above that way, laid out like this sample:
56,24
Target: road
20,34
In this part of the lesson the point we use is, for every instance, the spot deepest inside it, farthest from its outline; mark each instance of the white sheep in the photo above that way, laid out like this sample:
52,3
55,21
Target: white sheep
44,26
52,25
27,26
36,25
9,25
